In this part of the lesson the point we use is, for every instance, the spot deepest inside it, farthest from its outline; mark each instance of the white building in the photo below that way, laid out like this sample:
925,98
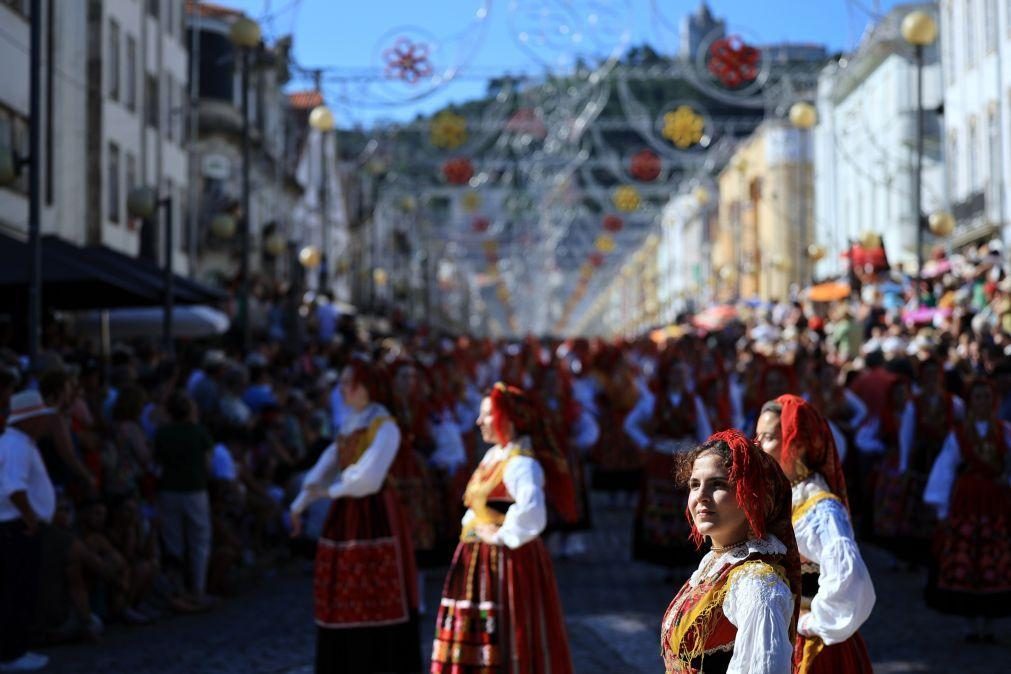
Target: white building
865,145
113,82
683,255
976,54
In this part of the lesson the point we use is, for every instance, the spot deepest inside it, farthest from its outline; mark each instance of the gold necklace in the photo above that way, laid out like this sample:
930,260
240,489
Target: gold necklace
720,550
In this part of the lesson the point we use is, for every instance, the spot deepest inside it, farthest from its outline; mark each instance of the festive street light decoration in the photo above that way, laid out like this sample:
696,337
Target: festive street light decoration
734,62
645,166
941,223
407,61
604,243
471,202
244,33
613,223
816,252
309,257
380,276
683,126
480,224
448,130
626,198
458,171
803,115
702,196
223,226
321,118
919,28
275,245
526,122
596,259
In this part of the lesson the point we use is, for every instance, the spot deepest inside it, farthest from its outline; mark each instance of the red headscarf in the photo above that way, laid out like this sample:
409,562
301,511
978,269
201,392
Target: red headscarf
763,493
512,405
808,444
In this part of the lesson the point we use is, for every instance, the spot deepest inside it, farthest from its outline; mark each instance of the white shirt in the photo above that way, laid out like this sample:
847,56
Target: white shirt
907,430
643,412
22,469
524,480
945,469
222,464
845,594
362,478
760,606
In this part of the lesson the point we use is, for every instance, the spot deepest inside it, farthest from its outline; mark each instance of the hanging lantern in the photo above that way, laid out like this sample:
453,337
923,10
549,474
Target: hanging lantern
604,243
613,223
458,171
645,166
309,257
275,245
815,252
471,201
480,224
626,198
941,223
223,226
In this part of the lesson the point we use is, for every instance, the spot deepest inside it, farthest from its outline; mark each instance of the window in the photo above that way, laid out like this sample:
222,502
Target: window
14,136
170,119
152,7
131,171
22,7
971,151
948,39
990,24
952,164
113,60
130,94
113,178
970,34
151,100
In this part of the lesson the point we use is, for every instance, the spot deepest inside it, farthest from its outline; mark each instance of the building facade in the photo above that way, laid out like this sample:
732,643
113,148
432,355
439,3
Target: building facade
865,145
975,41
759,247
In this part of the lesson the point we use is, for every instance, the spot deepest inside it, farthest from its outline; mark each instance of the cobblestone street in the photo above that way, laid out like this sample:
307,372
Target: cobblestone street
613,607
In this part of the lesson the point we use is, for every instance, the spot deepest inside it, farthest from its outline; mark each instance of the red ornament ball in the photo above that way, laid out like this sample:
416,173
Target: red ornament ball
645,166
613,223
480,224
458,171
596,259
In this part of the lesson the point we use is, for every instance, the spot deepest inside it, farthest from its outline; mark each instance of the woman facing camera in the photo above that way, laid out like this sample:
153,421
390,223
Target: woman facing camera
500,610
738,611
838,595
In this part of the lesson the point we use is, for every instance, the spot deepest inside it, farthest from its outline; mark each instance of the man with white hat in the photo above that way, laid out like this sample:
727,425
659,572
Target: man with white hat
27,499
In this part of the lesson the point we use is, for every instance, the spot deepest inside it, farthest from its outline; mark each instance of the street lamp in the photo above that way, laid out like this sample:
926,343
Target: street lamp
143,202
322,119
245,36
920,30
803,116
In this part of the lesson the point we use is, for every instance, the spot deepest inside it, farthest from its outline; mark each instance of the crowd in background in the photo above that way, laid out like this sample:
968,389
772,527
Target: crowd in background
173,472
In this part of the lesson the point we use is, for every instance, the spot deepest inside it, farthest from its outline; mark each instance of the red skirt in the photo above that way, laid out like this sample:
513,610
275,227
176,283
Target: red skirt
662,530
848,657
972,567
500,612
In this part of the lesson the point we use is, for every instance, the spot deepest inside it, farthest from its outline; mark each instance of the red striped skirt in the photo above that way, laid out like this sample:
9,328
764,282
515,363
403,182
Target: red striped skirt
500,612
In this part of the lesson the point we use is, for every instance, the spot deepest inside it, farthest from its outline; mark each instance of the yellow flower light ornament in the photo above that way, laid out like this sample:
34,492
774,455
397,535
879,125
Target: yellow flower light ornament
683,126
448,130
626,198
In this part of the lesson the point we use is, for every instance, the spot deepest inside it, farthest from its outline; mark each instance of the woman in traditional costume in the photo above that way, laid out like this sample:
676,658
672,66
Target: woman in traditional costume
738,611
500,610
837,588
668,422
969,487
365,591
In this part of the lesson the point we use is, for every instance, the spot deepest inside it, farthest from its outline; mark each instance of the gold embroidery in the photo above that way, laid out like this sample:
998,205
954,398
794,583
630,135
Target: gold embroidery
482,483
811,502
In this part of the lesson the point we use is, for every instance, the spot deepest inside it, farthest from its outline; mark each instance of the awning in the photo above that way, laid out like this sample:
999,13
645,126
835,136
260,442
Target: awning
93,277
187,322
830,291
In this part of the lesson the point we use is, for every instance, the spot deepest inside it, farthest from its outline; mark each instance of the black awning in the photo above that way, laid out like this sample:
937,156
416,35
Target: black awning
94,277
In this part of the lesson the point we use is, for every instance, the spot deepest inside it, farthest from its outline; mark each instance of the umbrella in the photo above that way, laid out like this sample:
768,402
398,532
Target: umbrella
935,268
661,335
715,318
830,291
923,315
192,321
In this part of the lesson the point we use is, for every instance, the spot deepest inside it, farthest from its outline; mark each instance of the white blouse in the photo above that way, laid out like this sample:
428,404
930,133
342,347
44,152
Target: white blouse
362,478
845,594
758,605
945,468
907,430
643,412
524,479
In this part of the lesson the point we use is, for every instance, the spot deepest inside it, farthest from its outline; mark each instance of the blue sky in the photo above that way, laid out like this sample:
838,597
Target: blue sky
349,36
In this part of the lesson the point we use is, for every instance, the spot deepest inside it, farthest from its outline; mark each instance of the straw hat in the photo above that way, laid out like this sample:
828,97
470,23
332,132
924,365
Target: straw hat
27,404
